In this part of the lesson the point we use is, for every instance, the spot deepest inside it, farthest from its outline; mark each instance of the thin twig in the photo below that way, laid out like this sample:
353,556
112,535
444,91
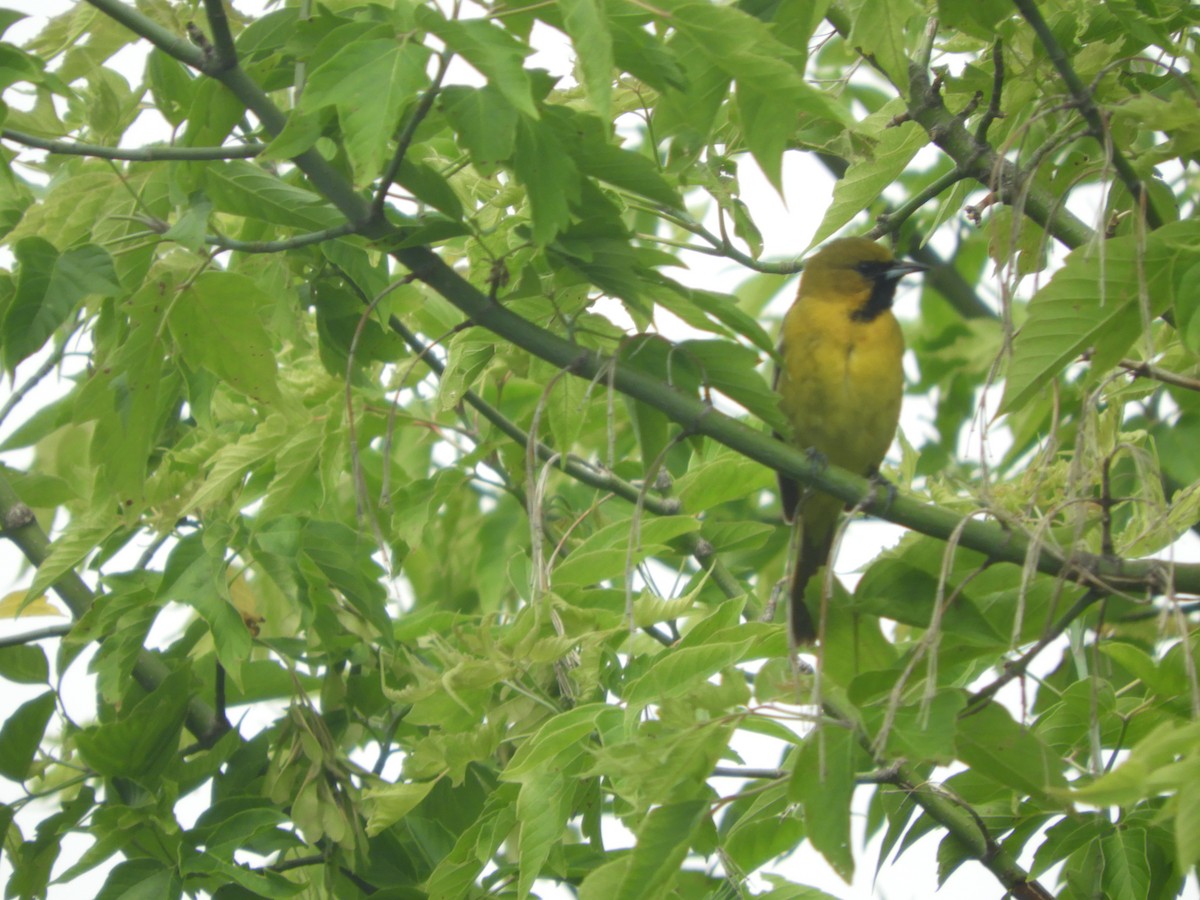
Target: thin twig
406,137
1145,370
137,154
1017,667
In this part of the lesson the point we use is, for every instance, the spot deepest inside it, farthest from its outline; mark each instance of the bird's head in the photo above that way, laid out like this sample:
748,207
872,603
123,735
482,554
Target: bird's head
856,272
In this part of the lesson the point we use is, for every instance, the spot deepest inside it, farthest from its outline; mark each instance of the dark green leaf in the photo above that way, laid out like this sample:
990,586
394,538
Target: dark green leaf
49,286
494,52
144,741
24,664
823,780
22,733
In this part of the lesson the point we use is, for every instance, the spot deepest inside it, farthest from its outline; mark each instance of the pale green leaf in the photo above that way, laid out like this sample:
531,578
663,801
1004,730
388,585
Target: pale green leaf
385,806
662,844
823,780
995,746
369,83
1093,304
677,670
558,740
216,321
247,190
22,733
494,52
866,179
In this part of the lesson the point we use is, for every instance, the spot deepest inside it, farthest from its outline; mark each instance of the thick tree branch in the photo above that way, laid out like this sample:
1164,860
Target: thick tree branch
576,468
224,53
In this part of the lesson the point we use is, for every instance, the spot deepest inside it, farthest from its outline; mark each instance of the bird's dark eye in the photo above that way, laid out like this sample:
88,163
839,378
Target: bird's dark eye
866,268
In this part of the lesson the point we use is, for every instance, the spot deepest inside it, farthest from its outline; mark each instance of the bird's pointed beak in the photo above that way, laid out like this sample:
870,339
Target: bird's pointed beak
902,267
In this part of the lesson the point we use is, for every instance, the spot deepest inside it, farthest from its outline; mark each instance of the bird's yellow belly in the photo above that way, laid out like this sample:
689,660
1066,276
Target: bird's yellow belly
842,389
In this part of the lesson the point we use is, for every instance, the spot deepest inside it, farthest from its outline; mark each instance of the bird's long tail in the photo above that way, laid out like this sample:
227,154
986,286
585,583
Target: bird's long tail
819,515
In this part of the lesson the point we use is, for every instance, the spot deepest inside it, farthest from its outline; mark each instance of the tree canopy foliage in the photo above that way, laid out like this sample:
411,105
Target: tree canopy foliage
479,559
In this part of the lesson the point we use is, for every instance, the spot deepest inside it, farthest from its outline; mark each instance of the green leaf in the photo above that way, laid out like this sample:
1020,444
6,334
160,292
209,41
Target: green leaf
491,50
49,285
765,830
675,671
140,879
22,734
540,821
730,476
144,741
485,122
607,553
1187,827
588,140
369,82
81,537
193,576
15,199
171,85
216,321
917,731
243,189
992,744
768,123
126,397
866,179
878,32
550,177
386,806
823,780
557,741
24,664
733,370
1093,303
1126,868
662,844
8,18
587,24
428,186
190,228
1187,305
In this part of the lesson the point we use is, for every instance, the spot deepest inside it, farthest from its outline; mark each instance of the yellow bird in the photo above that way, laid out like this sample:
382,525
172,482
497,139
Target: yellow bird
840,385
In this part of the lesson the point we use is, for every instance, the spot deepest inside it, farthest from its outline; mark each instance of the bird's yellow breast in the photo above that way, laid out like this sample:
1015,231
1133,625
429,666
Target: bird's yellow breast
842,381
